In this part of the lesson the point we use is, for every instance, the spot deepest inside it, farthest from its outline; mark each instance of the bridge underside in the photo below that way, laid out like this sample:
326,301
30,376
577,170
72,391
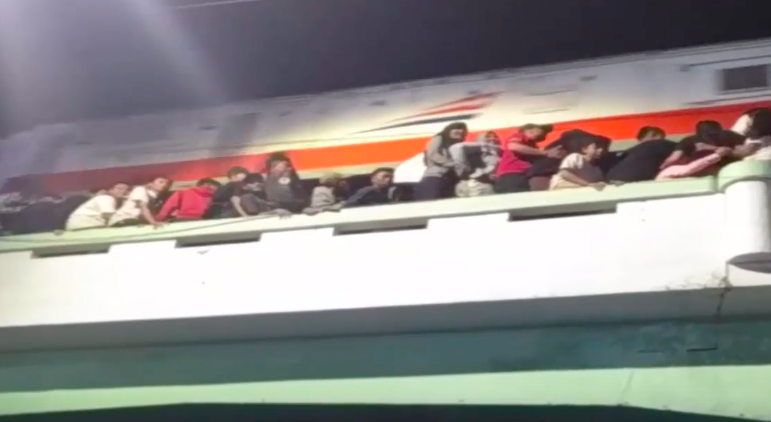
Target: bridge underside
642,372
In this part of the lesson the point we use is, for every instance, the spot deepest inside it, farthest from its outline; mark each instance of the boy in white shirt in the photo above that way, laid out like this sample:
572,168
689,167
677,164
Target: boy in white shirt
136,209
97,211
578,170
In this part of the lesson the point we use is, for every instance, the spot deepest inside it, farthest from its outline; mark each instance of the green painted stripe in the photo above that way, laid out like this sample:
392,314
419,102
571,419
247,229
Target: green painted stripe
741,391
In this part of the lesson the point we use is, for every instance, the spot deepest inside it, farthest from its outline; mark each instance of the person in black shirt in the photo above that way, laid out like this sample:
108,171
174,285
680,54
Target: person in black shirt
39,217
706,140
379,193
710,136
643,161
222,199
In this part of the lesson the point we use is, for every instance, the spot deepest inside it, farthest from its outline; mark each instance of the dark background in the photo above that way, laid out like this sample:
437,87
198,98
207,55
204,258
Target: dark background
77,59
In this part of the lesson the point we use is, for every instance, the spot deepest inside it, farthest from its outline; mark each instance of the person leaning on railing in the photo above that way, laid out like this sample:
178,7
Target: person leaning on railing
97,211
439,178
755,125
519,151
475,164
580,169
136,209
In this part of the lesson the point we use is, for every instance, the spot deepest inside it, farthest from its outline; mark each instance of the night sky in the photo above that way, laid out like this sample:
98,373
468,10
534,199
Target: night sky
65,60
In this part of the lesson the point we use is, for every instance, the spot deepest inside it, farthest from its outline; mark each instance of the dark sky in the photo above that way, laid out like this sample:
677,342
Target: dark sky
64,60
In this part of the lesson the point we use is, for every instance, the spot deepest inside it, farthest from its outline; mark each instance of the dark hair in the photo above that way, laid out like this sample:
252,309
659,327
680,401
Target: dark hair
236,171
445,133
753,111
112,185
709,130
380,170
546,129
254,178
761,124
208,181
277,157
579,143
650,130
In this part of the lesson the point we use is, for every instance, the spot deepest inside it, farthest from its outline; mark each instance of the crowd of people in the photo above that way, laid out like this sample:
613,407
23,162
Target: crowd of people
579,159
453,168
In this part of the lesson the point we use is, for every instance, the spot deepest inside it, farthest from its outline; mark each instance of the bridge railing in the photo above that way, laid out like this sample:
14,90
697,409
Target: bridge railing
530,205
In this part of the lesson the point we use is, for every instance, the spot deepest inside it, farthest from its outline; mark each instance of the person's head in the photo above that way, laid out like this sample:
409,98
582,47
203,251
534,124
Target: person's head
650,133
709,131
454,132
208,184
535,132
158,184
760,126
237,174
117,190
590,148
331,180
254,182
491,138
382,177
279,164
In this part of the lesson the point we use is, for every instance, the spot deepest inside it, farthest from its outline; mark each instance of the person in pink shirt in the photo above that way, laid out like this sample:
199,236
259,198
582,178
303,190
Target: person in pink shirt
685,168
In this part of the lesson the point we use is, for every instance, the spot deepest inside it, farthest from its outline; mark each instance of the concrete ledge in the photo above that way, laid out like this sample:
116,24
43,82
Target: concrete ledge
525,205
612,308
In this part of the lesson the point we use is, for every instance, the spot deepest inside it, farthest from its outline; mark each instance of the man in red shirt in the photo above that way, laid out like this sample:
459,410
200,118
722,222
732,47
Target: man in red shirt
189,204
518,153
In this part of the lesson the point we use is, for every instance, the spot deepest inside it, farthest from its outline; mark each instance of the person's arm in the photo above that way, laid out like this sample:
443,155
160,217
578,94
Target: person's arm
744,151
695,166
458,153
571,177
434,154
106,207
169,207
516,144
673,159
144,209
358,198
490,158
236,201
567,172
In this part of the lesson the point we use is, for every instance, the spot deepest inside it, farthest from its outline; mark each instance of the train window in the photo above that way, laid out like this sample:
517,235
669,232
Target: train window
744,78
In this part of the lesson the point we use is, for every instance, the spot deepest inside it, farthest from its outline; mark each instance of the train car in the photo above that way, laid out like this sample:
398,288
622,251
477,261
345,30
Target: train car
357,130
641,301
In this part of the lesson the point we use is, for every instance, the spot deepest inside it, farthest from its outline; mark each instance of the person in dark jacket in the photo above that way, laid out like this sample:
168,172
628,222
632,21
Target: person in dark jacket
249,200
378,193
439,178
38,217
643,161
283,187
222,199
707,139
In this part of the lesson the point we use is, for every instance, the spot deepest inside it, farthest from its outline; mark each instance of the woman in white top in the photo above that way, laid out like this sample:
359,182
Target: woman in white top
136,209
97,211
755,124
